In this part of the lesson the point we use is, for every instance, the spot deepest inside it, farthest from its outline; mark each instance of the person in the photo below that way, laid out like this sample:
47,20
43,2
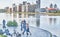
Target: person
7,32
4,22
14,32
18,34
21,25
24,27
27,29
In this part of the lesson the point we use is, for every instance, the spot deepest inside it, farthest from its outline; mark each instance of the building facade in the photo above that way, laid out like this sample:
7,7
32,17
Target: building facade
10,10
31,8
20,8
55,6
14,8
51,5
7,9
38,3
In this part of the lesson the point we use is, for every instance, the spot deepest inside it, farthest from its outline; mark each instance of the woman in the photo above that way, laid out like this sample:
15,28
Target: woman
21,25
27,29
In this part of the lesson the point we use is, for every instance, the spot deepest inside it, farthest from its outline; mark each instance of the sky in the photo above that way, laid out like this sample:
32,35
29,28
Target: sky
44,3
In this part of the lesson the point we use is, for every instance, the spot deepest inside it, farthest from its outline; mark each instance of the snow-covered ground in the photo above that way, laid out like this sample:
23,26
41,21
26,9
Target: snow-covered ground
49,23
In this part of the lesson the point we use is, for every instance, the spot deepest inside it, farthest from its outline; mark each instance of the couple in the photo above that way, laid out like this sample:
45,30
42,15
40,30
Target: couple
25,27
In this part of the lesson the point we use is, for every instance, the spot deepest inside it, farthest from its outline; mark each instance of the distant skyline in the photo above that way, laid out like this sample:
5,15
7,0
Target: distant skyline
44,3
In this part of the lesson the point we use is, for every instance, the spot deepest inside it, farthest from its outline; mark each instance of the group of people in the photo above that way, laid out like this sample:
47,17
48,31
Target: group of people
25,27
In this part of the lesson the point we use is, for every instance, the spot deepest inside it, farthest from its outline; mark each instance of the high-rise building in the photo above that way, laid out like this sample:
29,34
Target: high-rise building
25,6
31,8
51,5
38,3
24,2
7,9
20,8
10,10
55,6
14,8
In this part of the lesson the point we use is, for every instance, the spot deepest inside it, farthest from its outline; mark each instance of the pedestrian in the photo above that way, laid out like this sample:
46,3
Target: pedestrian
21,25
27,29
24,27
18,34
14,32
4,22
7,32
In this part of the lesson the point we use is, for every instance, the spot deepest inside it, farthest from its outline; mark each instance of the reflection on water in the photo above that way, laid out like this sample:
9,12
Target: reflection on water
38,23
52,20
55,20
51,23
37,20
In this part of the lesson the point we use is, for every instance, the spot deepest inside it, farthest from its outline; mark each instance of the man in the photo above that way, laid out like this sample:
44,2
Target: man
24,26
4,22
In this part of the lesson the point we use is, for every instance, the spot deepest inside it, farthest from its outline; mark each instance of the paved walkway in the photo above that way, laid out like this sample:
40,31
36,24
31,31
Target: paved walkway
36,32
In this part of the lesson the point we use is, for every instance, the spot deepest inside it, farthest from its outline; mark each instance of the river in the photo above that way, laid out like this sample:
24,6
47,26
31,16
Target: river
49,23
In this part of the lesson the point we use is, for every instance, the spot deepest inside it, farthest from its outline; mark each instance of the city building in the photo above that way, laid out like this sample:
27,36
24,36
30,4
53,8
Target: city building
55,6
25,9
28,5
51,10
24,2
51,5
20,8
7,9
24,6
42,10
38,3
14,8
10,10
31,8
